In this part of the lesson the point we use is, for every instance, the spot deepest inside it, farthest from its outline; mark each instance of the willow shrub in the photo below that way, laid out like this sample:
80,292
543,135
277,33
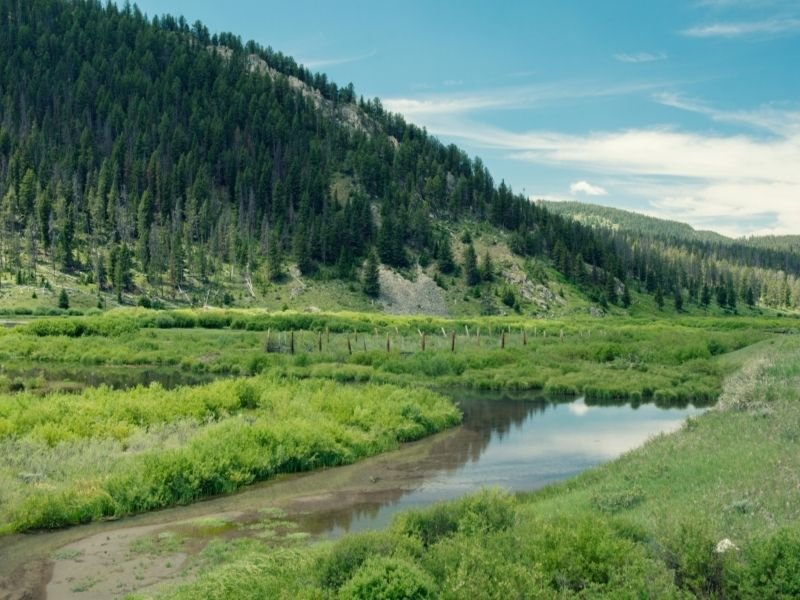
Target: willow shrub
245,430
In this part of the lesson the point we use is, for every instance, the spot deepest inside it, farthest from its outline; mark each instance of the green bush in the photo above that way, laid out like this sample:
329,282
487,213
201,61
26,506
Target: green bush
337,566
386,578
772,567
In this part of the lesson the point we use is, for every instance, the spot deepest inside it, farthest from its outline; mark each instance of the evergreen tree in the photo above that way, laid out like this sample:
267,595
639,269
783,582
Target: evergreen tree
63,299
705,296
274,257
659,298
444,256
722,296
749,297
731,294
611,289
487,268
678,299
302,251
471,273
626,296
372,284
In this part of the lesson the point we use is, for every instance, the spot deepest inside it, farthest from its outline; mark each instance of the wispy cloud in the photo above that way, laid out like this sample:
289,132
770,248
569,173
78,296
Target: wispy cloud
641,57
765,28
777,120
509,97
318,63
584,187
736,184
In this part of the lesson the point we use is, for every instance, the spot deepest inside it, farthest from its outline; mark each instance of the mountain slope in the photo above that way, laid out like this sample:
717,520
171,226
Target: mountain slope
151,158
596,215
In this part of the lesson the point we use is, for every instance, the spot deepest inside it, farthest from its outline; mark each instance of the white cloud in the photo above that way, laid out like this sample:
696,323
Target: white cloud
524,96
640,57
318,63
584,187
770,118
769,27
734,184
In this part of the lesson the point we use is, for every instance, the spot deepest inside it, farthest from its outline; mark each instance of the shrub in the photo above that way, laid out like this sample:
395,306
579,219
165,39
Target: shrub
337,566
386,578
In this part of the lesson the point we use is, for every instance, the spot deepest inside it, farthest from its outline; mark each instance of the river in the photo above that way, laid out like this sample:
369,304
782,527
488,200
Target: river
517,443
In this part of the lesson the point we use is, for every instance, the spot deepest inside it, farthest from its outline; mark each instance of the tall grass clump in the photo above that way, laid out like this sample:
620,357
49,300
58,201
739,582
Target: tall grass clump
234,432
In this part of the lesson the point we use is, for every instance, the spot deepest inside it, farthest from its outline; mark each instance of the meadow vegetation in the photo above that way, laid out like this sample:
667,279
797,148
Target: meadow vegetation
664,360
708,512
72,458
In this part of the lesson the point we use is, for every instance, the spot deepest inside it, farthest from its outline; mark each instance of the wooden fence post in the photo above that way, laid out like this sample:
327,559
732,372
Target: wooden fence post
453,342
291,343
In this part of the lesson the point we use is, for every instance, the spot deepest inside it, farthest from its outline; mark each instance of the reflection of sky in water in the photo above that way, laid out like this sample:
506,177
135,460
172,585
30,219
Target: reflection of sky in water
523,449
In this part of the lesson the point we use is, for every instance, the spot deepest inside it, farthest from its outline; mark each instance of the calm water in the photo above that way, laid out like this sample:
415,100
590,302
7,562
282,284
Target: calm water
518,444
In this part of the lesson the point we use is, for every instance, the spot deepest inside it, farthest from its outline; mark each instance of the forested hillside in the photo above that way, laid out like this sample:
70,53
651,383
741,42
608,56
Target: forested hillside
140,154
758,269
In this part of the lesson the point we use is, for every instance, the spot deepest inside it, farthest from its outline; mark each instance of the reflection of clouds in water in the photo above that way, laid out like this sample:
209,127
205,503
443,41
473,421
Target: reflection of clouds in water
578,408
516,444
599,444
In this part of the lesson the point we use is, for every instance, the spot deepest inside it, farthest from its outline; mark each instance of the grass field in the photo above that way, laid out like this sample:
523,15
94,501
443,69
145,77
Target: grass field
651,524
669,360
72,458
282,392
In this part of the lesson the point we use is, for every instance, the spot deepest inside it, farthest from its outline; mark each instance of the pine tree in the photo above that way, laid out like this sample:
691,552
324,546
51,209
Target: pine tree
659,298
705,296
274,257
678,299
611,289
722,296
372,283
749,297
487,267
445,256
63,299
471,273
626,296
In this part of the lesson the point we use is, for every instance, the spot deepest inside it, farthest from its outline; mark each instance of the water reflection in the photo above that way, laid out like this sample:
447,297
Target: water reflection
514,443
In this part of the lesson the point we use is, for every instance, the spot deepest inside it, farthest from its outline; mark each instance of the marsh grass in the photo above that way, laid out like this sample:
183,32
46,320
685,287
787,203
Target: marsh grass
68,459
646,525
666,361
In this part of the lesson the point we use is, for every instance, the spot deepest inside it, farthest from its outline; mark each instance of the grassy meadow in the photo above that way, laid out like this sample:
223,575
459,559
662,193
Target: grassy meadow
710,511
665,360
241,396
67,459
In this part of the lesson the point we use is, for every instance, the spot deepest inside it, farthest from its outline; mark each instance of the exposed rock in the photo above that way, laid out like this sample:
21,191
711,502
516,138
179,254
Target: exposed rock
401,296
348,114
541,295
596,311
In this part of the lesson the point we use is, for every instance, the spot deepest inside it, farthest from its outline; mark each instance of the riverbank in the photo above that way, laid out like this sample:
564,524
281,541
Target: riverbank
710,511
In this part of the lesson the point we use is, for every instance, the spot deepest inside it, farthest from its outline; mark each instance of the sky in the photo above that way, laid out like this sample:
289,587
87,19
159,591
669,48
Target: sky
681,109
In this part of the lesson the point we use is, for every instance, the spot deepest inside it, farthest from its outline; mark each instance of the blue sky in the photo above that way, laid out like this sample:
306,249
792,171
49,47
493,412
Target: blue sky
684,109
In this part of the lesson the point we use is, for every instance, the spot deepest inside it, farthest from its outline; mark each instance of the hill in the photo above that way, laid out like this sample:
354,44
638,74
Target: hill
596,215
152,161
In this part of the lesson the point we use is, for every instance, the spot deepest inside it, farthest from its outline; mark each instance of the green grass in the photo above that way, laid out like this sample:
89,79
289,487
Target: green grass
668,359
67,459
644,526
